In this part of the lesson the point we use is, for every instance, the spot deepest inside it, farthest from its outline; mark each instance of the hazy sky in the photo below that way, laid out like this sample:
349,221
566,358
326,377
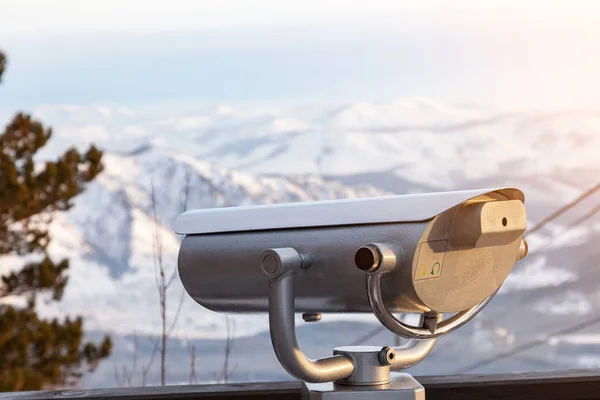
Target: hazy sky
509,53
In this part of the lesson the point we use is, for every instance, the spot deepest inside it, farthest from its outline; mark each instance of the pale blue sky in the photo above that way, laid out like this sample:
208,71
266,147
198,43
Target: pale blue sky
131,51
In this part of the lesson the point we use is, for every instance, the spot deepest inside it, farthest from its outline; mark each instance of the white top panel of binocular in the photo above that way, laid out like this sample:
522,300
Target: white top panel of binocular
359,211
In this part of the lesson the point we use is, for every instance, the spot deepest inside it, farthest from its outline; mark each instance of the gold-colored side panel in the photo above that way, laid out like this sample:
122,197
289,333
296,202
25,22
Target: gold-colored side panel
476,245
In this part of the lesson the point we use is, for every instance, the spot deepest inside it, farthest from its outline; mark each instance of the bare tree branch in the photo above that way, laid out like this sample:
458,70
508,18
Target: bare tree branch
146,368
156,247
162,282
159,273
163,316
192,351
186,190
230,332
118,376
176,317
126,376
134,362
172,277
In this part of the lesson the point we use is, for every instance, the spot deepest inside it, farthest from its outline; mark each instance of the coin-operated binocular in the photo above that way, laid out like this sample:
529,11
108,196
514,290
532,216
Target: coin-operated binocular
432,254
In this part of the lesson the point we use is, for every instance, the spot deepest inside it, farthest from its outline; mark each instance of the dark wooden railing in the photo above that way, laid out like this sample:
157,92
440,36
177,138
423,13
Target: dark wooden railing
571,385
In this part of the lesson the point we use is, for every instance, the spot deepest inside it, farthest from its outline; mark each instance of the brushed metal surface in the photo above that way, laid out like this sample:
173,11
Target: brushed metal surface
223,271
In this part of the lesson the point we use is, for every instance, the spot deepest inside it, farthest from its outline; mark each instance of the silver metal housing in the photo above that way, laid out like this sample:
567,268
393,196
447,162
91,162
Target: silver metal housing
220,257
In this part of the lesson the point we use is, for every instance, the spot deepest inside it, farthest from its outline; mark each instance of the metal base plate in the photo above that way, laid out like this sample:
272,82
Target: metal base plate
402,386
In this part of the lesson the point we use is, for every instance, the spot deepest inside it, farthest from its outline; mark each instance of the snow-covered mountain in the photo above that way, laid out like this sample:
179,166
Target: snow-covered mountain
109,234
401,145
212,156
420,141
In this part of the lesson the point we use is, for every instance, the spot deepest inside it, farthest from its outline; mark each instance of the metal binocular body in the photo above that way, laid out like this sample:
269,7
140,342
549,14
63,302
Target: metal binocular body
432,254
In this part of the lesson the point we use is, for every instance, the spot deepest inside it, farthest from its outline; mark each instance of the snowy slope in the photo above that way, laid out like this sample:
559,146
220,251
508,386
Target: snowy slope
249,155
109,235
401,146
419,140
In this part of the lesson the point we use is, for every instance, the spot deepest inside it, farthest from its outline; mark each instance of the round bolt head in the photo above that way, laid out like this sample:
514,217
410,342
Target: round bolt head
387,355
269,264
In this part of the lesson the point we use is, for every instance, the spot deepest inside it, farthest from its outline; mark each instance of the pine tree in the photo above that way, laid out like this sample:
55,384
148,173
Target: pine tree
36,353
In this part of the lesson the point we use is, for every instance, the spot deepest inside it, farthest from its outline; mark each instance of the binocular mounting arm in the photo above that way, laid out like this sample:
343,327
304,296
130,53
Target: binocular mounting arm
280,266
283,337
